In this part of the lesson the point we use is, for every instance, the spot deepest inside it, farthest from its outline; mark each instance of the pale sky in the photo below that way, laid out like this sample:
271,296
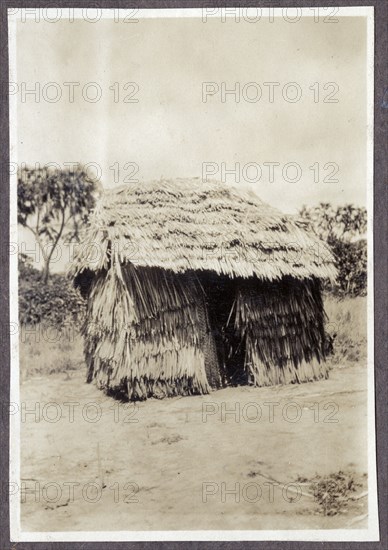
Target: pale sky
171,131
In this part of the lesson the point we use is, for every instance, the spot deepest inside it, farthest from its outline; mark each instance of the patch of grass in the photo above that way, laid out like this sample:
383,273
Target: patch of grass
44,351
347,320
333,492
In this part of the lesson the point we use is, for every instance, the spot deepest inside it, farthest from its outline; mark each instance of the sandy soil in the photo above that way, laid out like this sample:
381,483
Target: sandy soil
174,464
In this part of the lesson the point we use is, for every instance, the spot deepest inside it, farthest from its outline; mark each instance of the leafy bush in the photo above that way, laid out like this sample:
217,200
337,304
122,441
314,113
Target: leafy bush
53,303
351,263
343,228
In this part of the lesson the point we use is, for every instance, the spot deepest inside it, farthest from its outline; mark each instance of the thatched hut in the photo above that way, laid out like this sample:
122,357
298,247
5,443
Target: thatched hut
195,285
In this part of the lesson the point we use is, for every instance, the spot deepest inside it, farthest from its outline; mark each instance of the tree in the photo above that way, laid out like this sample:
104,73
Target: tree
344,229
53,204
344,222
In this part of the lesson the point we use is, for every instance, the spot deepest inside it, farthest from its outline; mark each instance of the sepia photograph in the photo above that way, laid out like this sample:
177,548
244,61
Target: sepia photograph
191,274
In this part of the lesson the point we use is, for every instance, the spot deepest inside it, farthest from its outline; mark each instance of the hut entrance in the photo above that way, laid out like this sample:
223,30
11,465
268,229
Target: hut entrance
221,293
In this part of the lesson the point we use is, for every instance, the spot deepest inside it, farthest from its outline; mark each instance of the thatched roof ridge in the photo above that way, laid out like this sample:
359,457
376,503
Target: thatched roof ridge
186,224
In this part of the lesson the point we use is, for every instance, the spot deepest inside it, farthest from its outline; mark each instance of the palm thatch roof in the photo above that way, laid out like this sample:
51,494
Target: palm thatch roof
186,224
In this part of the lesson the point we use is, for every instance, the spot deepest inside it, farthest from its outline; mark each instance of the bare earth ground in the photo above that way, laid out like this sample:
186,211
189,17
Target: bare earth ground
177,467
89,462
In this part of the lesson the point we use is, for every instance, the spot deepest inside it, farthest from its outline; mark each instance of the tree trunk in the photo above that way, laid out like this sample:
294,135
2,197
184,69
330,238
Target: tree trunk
46,270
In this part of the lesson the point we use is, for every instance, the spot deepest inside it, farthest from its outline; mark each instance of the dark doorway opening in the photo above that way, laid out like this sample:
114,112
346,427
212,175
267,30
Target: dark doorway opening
220,296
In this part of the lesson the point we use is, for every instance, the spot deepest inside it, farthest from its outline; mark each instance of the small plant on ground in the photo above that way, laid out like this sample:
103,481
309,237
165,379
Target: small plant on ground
333,492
